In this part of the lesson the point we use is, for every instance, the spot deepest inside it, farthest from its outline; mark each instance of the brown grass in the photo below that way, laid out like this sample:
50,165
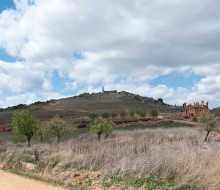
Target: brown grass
174,154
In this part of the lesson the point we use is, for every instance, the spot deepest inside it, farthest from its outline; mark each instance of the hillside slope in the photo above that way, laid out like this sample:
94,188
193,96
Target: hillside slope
216,111
75,107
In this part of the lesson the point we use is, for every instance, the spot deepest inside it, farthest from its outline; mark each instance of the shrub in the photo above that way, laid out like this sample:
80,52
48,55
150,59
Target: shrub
154,113
131,114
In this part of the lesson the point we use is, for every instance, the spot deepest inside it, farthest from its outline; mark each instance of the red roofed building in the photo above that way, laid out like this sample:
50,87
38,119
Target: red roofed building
193,110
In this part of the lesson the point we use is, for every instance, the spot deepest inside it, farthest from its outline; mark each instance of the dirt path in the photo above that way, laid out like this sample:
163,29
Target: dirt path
9,181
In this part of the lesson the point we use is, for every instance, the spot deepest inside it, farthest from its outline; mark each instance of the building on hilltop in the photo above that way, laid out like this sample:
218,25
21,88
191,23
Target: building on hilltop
193,110
111,91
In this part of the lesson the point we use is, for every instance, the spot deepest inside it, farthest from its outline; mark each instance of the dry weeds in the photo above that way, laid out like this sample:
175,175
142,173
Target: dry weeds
173,154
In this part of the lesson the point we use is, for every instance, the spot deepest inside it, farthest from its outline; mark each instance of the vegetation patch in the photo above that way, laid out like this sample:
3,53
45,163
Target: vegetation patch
125,181
168,124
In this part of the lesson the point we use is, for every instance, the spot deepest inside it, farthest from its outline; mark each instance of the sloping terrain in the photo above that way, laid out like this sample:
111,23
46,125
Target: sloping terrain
75,107
216,111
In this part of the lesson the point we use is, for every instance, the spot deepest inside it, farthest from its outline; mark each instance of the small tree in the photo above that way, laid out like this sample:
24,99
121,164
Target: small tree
154,113
24,123
57,127
142,114
100,126
208,122
113,114
123,114
131,114
106,115
42,131
93,116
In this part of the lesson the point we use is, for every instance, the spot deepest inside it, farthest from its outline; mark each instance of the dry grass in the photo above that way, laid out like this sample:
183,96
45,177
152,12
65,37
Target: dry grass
173,154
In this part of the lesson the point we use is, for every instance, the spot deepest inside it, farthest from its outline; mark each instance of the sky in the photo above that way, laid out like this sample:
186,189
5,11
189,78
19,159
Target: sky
166,49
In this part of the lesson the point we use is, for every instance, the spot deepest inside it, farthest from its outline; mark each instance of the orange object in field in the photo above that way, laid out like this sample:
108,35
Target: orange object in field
2,128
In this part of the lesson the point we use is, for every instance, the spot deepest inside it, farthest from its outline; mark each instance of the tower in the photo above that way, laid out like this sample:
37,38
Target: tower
103,90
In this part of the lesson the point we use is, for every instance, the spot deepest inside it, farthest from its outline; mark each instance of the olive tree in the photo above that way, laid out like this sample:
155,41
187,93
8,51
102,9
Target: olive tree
57,126
100,126
24,123
208,122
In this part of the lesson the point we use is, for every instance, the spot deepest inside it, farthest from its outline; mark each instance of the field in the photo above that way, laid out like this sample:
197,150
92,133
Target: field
150,158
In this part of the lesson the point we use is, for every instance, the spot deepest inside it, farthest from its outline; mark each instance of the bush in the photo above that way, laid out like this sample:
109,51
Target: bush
113,114
105,115
123,114
154,113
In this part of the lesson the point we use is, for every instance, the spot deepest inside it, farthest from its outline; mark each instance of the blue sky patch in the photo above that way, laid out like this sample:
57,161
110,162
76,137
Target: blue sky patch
6,4
7,58
78,55
175,80
58,83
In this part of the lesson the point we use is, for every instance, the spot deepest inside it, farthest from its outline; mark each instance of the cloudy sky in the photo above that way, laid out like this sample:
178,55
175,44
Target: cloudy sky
166,49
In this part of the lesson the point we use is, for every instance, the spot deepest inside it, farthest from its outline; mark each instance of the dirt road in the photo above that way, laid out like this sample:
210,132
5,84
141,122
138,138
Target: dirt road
9,181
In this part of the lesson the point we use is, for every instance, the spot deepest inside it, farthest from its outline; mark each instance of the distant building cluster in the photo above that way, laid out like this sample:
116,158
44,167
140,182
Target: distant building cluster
110,91
193,110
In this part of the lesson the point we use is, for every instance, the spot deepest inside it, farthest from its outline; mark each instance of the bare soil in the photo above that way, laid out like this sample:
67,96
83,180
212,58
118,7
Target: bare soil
11,181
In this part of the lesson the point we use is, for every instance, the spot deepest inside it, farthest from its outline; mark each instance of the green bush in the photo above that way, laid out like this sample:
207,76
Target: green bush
154,113
55,160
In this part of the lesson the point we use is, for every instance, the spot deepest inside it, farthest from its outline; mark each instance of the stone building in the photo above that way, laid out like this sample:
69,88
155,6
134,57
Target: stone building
193,110
110,91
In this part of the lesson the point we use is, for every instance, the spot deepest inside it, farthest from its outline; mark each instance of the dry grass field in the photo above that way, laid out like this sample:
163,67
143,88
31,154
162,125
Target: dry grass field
174,158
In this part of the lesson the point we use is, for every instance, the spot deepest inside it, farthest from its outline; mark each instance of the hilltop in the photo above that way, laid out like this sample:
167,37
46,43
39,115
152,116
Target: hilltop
75,107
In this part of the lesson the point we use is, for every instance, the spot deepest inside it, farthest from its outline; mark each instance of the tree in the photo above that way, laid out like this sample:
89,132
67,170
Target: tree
154,113
131,114
100,126
208,122
41,131
123,114
57,127
93,116
142,114
24,123
113,114
106,115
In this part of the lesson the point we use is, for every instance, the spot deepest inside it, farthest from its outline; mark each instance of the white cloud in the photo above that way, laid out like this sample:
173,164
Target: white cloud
124,44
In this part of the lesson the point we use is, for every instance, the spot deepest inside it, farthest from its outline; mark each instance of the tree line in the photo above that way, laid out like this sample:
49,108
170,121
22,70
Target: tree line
25,123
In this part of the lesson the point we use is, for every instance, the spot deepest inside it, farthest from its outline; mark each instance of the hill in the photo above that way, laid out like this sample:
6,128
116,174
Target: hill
216,111
76,107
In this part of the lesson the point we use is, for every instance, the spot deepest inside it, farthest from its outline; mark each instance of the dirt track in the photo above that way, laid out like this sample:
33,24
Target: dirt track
9,181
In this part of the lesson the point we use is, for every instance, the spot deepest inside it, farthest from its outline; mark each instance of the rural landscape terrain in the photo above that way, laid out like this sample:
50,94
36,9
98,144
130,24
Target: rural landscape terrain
149,145
109,95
